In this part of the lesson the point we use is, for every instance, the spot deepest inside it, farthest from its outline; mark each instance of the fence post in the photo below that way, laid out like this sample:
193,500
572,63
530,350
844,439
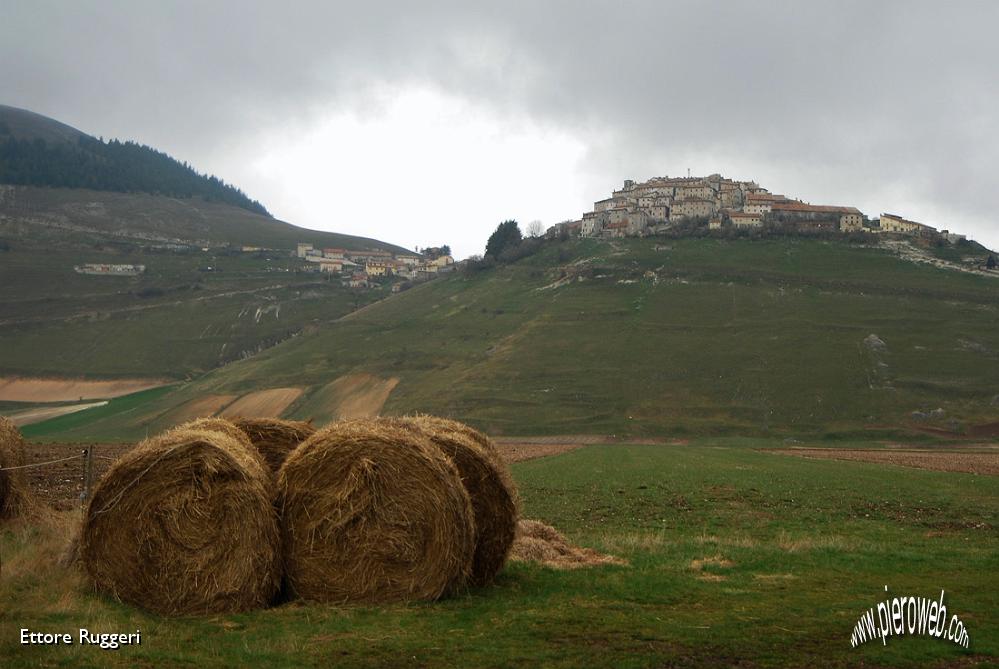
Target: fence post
88,458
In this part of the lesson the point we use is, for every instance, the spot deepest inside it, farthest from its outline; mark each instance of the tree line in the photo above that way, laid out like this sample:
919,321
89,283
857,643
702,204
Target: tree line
124,167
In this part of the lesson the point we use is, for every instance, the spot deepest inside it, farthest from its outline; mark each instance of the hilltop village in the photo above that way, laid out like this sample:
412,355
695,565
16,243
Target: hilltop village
360,269
717,203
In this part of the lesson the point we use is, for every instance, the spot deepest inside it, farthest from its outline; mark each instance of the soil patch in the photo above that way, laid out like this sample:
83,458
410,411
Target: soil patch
986,464
60,484
352,396
201,407
512,451
263,403
27,389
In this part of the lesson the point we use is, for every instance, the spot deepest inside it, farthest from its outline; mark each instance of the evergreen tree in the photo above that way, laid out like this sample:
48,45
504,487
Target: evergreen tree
507,235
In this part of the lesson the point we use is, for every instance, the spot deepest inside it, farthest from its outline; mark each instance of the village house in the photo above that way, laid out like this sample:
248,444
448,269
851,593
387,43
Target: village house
303,249
746,219
730,194
818,217
336,254
569,228
607,205
378,267
592,224
695,191
761,202
357,280
897,224
617,229
691,207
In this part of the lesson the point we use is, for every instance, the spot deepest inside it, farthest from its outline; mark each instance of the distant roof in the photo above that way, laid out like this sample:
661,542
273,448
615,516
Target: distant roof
817,208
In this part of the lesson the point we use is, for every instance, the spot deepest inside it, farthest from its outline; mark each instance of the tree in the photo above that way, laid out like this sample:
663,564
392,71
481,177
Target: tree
507,235
446,250
535,228
991,262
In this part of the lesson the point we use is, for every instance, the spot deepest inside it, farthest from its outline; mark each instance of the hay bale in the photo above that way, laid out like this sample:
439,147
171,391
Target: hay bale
275,438
226,427
490,489
185,524
543,544
13,486
372,512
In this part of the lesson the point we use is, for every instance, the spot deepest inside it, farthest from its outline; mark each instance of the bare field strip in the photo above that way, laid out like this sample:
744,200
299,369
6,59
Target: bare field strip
208,405
513,451
27,389
269,403
37,415
986,464
357,395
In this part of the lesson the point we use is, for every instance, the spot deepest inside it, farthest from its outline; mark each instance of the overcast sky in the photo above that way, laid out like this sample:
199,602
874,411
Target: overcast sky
431,122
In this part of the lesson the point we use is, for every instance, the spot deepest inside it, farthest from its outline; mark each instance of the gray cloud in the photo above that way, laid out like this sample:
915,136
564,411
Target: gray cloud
888,105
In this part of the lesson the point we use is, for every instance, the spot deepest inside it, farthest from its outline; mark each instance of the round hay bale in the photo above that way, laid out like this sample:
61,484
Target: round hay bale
490,489
372,512
275,438
226,427
185,524
13,488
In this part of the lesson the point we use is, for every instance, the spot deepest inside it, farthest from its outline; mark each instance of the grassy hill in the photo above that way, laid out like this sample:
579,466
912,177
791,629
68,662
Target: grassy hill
39,151
23,124
191,311
633,337
84,218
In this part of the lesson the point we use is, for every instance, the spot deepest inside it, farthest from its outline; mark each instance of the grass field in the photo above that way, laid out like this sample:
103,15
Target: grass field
737,558
704,337
175,321
191,311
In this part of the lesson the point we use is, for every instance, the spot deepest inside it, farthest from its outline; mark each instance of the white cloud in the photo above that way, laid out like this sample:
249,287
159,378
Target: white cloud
416,167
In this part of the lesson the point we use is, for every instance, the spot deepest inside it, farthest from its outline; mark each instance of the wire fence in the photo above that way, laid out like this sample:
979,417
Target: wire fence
50,462
87,455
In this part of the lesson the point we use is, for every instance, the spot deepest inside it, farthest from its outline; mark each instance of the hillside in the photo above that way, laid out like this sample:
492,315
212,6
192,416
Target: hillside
201,301
39,151
80,217
792,336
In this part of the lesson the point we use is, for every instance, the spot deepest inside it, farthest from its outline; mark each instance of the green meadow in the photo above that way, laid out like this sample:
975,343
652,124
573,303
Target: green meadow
737,557
640,337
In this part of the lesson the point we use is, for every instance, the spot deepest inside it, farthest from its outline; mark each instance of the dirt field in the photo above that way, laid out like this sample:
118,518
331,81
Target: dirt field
357,395
263,403
44,413
517,449
208,405
950,461
514,451
61,484
17,389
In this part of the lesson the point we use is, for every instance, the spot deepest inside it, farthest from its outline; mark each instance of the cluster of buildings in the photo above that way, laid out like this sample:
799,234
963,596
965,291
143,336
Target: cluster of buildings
109,269
639,209
358,269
